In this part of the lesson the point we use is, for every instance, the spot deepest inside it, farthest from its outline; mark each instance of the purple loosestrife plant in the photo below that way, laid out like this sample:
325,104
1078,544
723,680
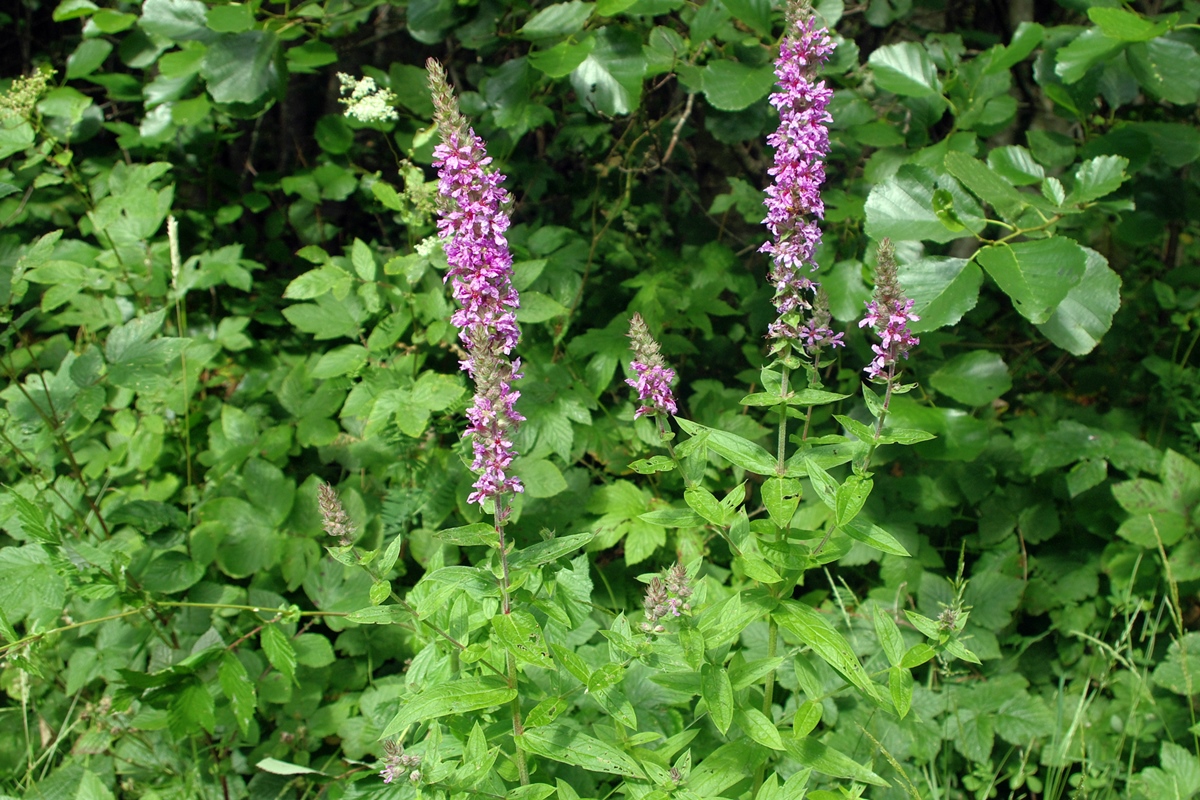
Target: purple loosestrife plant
888,314
472,222
654,377
793,201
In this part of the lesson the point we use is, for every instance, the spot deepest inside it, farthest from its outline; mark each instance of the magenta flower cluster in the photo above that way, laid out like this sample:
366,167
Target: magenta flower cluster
794,200
472,223
888,314
891,324
654,377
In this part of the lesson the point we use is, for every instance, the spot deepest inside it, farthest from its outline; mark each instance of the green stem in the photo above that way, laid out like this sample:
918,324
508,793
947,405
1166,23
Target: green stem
781,442
506,608
518,727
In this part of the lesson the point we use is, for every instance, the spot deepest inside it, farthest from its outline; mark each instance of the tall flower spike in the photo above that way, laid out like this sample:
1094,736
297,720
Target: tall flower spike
654,377
472,222
888,314
801,144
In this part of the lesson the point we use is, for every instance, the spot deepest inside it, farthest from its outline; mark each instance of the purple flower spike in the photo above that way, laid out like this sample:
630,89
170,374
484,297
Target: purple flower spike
472,222
801,144
888,314
654,377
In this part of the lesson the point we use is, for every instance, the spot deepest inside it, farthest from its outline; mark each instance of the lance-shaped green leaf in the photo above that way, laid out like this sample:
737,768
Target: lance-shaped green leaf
815,631
900,685
888,634
520,635
1086,313
781,496
942,290
704,503
742,452
905,69
845,499
717,692
758,727
871,534
1037,275
454,697
824,759
563,743
476,534
673,518
548,551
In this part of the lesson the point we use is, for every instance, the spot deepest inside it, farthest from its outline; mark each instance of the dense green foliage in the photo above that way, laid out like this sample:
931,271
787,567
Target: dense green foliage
1009,608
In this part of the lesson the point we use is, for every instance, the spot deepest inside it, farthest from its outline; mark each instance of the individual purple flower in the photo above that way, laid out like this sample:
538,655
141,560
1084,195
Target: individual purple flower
801,144
888,314
654,377
472,222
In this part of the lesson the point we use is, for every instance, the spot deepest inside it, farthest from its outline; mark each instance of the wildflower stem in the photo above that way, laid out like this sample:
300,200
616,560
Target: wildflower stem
781,443
518,726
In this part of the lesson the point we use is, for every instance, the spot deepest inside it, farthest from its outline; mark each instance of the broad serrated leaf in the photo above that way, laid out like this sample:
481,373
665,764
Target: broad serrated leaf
942,290
1086,313
1084,52
559,19
279,651
609,80
242,67
1016,164
1037,275
237,688
974,379
988,185
1117,23
905,69
1097,177
902,208
562,59
733,86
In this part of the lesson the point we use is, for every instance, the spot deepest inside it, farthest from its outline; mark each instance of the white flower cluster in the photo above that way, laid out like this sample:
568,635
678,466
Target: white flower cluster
367,101
24,93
